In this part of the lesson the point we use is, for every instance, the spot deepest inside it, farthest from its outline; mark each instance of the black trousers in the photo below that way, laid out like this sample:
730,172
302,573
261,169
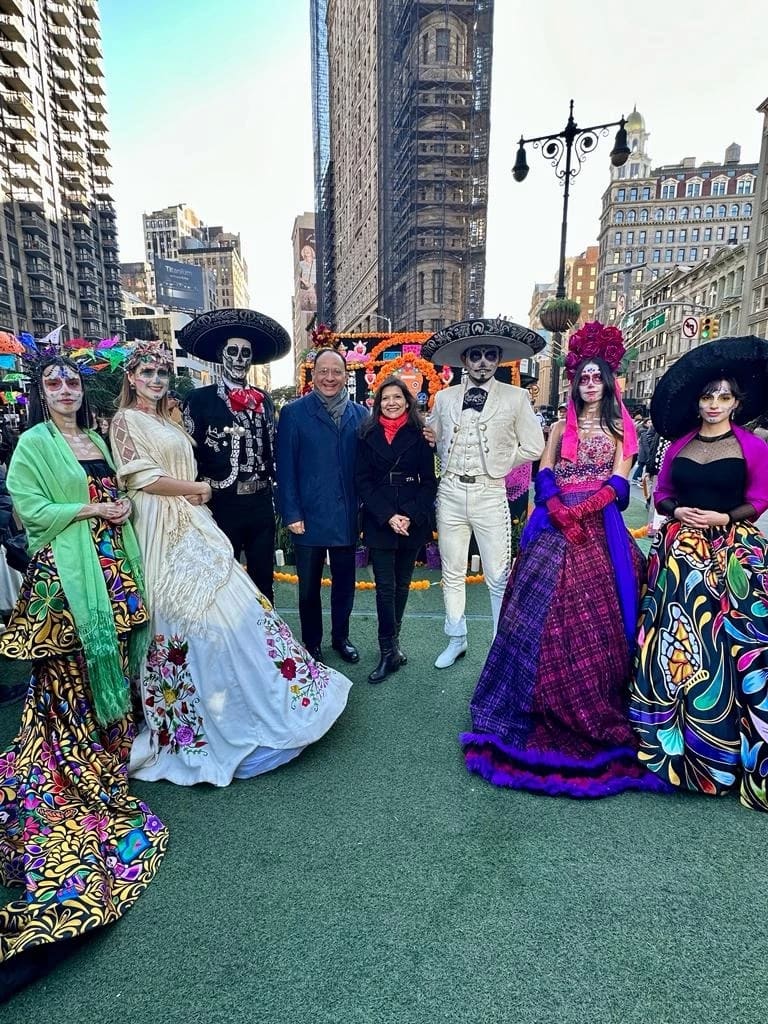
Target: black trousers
248,520
309,568
393,571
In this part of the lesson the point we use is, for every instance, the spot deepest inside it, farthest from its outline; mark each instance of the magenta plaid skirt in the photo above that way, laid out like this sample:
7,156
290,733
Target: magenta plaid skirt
550,711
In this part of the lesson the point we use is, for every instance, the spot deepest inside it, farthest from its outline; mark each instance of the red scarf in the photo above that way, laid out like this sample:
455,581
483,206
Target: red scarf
391,427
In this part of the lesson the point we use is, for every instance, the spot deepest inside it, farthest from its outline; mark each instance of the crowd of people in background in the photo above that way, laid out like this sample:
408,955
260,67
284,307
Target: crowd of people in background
156,655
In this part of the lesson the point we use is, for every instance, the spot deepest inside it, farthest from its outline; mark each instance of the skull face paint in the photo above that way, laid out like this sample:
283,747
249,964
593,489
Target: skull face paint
481,362
717,403
236,357
62,390
591,384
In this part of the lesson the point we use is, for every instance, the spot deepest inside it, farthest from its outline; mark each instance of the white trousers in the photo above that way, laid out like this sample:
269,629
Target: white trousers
463,509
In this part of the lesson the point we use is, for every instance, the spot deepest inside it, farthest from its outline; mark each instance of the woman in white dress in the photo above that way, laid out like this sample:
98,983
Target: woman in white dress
227,691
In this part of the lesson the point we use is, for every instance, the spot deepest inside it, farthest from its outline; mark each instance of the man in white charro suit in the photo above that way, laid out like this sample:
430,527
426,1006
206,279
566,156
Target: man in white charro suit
482,429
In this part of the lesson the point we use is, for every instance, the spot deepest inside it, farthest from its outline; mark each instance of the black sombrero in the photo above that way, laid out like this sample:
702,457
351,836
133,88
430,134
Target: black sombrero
675,402
446,347
204,336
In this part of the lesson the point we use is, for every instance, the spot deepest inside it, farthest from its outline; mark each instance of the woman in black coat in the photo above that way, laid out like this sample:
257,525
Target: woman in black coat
395,481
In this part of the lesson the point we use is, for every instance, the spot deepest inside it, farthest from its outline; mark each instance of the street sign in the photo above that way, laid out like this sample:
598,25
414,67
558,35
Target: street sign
691,327
655,321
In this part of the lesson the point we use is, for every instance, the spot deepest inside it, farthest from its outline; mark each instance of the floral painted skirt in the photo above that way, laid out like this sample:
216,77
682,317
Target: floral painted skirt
71,835
699,700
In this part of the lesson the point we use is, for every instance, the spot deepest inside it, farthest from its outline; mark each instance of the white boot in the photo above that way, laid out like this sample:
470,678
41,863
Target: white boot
457,648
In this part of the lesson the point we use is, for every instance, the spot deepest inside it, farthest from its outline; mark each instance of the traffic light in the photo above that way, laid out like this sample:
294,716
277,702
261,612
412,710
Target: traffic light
706,327
715,328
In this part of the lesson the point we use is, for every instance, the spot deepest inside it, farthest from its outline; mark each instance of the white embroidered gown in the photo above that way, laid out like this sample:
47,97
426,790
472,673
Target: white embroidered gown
227,690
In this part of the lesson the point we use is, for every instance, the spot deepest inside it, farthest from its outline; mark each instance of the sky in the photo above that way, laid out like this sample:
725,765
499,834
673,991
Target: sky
210,105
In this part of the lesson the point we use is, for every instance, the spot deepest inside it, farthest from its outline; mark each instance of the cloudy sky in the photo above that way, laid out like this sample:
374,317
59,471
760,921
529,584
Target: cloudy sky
210,105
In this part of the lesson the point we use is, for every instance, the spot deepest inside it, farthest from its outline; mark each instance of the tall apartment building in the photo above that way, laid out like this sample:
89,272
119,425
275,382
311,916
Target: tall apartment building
654,219
581,282
58,238
754,318
165,230
305,283
401,104
219,253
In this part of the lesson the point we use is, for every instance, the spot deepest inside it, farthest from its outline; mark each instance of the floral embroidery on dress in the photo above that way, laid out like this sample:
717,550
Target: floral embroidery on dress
171,697
308,678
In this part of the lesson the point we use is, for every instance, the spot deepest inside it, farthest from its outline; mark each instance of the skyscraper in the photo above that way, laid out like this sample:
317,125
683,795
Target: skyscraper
401,118
58,239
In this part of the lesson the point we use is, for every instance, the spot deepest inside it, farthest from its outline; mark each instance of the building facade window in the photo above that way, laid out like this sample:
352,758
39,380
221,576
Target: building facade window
745,233
656,256
667,255
694,254
680,255
658,215
671,235
693,189
641,237
657,236
746,210
633,195
719,186
684,213
694,234
631,216
619,217
722,211
617,238
745,186
643,216
720,235
709,212
734,209
671,213
669,190
621,195
646,193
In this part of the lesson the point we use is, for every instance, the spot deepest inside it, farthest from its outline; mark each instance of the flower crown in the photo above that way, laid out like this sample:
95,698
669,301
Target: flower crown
148,352
323,337
595,341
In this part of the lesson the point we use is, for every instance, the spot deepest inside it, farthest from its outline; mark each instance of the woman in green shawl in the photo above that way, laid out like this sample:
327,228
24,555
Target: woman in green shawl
71,835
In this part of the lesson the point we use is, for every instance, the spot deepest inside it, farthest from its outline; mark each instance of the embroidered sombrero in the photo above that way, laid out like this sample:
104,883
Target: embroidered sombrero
204,336
675,402
445,348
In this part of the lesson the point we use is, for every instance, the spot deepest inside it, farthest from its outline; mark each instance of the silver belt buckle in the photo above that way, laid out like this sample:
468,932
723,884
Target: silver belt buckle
247,486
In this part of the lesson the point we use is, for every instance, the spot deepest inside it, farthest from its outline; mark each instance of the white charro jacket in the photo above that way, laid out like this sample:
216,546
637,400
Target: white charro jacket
507,423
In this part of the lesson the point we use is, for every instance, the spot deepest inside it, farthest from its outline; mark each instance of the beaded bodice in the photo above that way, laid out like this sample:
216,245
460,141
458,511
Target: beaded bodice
593,465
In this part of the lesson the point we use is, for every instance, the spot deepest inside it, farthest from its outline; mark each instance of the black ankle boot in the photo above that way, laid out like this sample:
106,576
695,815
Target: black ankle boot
389,661
398,649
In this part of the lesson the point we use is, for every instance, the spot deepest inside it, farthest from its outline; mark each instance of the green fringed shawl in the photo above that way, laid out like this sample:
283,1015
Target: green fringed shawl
49,487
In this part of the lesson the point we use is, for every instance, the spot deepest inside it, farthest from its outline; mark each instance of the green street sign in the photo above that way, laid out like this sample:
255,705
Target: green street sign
655,321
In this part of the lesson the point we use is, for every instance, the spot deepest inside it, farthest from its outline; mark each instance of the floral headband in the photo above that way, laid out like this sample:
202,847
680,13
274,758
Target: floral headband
148,352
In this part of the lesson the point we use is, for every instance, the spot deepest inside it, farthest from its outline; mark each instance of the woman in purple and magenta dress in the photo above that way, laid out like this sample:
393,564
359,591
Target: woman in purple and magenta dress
549,712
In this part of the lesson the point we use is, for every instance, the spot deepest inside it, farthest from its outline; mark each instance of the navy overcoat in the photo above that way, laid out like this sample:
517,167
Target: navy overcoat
316,471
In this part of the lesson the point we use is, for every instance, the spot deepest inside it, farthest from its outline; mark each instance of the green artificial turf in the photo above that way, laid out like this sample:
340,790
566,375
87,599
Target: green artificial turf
374,880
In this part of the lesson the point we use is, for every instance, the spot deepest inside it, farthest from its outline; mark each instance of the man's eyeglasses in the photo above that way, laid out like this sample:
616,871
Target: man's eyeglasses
491,355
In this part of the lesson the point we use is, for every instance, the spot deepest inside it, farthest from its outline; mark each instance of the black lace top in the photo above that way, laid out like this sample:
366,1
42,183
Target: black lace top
710,474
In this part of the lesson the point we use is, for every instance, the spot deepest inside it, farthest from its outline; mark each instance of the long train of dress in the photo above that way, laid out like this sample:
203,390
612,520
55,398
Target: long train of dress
227,690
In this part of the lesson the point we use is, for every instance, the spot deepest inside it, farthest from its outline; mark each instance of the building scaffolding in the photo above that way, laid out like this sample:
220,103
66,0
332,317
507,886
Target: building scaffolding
434,129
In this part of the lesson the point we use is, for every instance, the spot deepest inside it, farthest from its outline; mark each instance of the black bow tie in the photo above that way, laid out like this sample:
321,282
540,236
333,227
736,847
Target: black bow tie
474,398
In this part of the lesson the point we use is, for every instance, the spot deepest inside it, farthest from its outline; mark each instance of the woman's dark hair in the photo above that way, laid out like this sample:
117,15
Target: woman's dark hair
411,405
610,411
37,407
711,386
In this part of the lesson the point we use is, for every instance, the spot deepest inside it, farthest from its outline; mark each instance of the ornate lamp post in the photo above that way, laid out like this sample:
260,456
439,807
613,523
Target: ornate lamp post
566,151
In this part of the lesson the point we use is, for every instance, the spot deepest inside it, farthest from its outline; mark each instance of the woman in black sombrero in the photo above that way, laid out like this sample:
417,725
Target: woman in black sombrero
699,698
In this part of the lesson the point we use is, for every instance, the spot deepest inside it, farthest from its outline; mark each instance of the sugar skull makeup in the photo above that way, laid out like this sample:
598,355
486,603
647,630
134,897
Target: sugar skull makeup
236,357
150,380
62,389
591,384
717,402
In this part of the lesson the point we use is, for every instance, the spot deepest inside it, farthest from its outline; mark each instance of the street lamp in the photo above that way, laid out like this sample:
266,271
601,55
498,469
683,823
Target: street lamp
386,320
559,148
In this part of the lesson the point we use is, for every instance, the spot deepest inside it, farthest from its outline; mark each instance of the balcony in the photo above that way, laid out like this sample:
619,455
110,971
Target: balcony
96,105
108,241
99,135
34,223
61,54
26,178
66,81
68,103
11,7
84,238
16,80
70,122
59,13
78,201
102,176
12,51
61,39
91,46
35,245
72,161
93,85
21,153
80,218
100,157
84,274
39,268
18,128
16,103
84,258
38,289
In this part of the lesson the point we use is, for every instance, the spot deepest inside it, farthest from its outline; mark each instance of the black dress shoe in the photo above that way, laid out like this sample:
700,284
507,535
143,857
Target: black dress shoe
346,651
315,652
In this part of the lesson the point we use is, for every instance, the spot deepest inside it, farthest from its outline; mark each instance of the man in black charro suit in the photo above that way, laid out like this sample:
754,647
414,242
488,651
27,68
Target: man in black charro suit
233,426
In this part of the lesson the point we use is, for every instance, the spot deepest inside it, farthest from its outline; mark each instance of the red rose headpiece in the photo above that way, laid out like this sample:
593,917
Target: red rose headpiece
323,337
595,341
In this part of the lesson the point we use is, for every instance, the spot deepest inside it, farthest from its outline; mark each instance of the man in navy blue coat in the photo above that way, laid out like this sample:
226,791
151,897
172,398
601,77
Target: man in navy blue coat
316,450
